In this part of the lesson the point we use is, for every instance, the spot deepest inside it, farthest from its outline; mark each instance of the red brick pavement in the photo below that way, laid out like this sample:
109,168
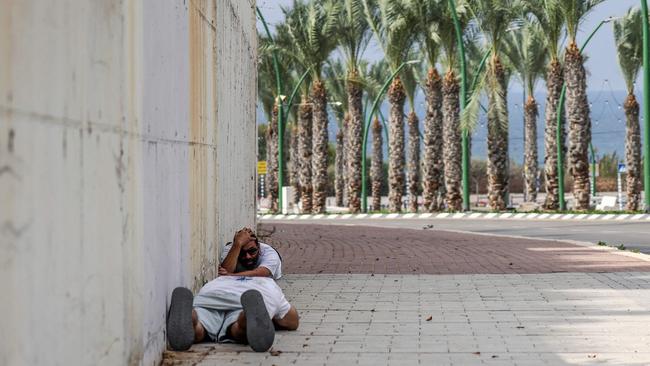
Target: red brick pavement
308,248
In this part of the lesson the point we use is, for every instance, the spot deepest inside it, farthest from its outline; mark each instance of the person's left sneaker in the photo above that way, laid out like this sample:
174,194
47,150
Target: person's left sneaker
180,331
260,331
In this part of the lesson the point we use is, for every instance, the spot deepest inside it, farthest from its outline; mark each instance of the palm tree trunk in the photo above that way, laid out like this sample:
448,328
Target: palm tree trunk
295,165
633,180
376,165
396,97
272,159
554,82
355,135
530,156
413,165
319,157
451,144
432,166
497,164
305,154
339,171
579,125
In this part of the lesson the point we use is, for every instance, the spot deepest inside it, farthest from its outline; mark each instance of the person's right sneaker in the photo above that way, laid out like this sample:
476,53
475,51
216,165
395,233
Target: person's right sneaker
180,332
260,331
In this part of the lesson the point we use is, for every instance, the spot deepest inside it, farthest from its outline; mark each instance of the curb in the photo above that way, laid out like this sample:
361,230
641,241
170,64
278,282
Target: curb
463,215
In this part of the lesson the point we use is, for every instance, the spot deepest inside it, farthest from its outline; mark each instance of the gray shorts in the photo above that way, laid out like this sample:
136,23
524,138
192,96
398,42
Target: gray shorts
216,322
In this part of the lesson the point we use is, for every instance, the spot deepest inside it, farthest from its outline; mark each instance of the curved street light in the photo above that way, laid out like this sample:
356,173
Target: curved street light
278,83
646,105
558,132
366,127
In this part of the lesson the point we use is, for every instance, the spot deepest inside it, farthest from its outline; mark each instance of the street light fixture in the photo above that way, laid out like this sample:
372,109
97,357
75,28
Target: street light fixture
278,83
558,132
366,128
646,105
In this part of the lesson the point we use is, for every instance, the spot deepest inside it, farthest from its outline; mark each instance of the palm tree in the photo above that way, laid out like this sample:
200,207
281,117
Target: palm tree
354,36
294,159
335,82
493,18
426,15
311,28
527,54
393,31
547,13
629,44
451,133
577,105
376,164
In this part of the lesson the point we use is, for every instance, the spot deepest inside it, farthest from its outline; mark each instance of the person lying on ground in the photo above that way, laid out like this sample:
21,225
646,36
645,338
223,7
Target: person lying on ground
246,256
230,309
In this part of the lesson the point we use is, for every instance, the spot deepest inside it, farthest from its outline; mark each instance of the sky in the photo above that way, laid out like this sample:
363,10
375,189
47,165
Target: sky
606,87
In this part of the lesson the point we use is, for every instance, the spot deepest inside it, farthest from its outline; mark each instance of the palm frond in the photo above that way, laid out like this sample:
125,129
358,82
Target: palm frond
574,12
629,45
470,115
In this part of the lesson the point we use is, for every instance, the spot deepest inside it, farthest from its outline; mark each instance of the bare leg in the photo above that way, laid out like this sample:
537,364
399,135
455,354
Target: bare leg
237,330
290,320
199,331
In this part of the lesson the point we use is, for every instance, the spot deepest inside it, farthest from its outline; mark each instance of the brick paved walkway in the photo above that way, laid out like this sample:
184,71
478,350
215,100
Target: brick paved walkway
307,248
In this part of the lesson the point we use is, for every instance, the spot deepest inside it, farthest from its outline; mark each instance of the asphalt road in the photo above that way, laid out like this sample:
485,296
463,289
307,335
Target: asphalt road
634,235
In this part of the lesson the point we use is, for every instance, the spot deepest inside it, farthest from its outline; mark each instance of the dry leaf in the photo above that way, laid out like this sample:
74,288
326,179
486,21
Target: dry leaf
429,318
275,353
476,353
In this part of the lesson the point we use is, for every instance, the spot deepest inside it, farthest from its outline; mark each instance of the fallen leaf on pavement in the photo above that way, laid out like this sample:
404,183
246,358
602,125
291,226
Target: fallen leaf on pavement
429,318
476,353
275,353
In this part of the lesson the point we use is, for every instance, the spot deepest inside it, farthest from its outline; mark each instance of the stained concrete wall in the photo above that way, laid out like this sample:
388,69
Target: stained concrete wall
127,157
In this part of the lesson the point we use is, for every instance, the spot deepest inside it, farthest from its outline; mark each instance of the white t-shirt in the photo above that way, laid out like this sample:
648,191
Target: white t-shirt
224,293
268,259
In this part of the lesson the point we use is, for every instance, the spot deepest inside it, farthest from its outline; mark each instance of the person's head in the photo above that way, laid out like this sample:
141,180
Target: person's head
249,253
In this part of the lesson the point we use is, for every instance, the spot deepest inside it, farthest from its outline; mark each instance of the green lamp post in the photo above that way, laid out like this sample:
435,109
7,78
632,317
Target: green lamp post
278,83
646,106
558,132
366,128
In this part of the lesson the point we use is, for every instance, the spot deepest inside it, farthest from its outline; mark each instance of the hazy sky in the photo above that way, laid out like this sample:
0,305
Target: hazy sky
601,65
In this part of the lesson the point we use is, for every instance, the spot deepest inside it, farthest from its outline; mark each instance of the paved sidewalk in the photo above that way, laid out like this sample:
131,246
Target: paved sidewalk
482,311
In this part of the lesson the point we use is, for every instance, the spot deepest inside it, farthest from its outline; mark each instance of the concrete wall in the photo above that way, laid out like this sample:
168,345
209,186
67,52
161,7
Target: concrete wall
127,158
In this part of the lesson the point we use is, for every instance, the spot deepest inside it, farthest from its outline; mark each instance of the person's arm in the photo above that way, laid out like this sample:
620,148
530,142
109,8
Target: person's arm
229,264
257,272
